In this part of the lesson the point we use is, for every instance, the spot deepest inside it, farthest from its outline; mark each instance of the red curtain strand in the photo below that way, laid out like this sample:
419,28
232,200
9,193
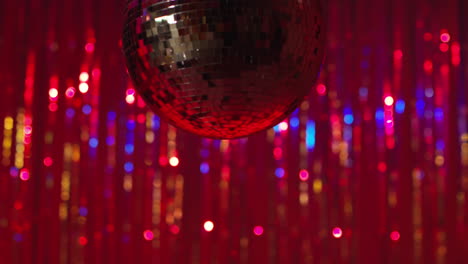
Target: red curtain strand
372,168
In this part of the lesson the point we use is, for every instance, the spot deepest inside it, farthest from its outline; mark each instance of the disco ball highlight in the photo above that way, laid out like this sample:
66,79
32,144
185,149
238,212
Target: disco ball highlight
223,68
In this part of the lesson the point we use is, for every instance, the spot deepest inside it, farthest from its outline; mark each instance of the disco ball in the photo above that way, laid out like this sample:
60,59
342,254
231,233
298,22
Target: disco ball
223,68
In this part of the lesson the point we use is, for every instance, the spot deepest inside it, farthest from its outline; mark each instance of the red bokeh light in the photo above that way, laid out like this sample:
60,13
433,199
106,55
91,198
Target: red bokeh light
18,205
445,37
427,36
337,232
48,161
174,229
70,92
278,153
321,89
382,167
395,235
304,175
258,230
428,66
174,161
163,161
398,54
24,174
82,240
444,47
53,107
89,47
148,235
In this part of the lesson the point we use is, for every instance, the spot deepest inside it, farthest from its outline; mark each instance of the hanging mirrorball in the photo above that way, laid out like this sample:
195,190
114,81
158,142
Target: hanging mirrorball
223,68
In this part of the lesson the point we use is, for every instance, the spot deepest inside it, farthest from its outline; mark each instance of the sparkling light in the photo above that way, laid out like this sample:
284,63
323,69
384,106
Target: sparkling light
53,93
310,135
70,92
204,168
445,37
53,107
24,174
428,66
294,122
208,226
128,166
427,36
279,172
163,161
283,126
389,100
337,232
84,87
93,142
398,54
129,148
395,235
89,47
444,47
96,73
84,77
28,130
321,89
83,211
82,240
174,229
86,109
304,175
258,230
348,117
148,235
131,91
130,99
278,153
382,167
174,161
48,161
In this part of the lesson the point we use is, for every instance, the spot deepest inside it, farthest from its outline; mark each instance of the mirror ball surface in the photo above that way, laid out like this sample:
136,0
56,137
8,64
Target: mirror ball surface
220,68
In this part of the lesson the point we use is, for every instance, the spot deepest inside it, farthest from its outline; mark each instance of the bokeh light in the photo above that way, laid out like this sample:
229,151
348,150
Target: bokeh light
208,226
70,92
84,87
82,240
48,161
283,126
389,100
24,174
174,161
148,235
321,89
84,77
445,37
395,235
337,232
89,47
304,175
258,230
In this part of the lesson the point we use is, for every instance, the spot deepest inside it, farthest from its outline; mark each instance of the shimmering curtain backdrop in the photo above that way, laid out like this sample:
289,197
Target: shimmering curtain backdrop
372,168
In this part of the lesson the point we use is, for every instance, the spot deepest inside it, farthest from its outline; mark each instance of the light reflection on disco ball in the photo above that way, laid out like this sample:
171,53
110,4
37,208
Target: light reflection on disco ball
223,68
